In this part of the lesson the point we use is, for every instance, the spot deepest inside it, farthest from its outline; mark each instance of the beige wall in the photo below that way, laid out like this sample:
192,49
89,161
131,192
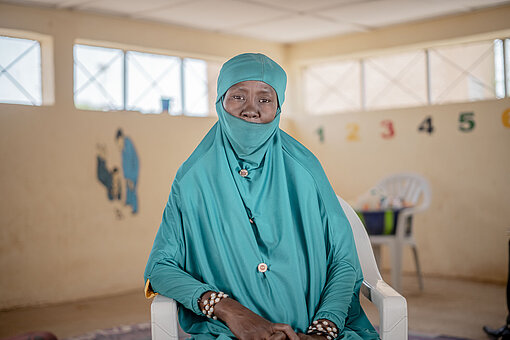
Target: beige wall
464,232
60,238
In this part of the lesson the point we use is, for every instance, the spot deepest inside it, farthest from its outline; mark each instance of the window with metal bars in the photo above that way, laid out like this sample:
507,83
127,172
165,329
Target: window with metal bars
436,75
20,71
113,79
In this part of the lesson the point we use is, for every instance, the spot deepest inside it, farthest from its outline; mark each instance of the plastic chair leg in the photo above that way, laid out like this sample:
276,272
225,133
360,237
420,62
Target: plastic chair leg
418,268
377,254
396,265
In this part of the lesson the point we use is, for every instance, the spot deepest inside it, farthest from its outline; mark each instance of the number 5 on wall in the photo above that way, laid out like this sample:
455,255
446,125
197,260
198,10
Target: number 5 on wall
466,121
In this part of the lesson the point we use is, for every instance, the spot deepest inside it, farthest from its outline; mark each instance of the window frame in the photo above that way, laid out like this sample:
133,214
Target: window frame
426,49
47,63
182,57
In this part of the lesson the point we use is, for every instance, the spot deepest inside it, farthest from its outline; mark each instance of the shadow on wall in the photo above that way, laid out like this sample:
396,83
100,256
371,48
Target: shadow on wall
113,180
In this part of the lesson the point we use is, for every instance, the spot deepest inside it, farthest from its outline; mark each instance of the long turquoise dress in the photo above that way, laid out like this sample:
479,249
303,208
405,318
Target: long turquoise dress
218,226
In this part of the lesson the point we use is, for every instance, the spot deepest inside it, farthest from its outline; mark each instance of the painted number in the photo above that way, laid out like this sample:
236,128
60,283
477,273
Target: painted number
353,132
505,118
466,121
390,131
320,132
426,125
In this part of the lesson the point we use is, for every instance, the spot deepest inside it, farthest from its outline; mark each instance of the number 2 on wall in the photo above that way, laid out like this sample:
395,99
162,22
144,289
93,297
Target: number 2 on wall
390,131
353,132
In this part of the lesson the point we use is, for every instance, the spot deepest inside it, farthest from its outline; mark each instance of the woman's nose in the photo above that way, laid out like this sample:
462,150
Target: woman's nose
250,111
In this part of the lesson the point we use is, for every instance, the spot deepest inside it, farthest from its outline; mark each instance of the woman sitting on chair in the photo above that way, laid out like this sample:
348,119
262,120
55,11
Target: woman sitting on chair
254,243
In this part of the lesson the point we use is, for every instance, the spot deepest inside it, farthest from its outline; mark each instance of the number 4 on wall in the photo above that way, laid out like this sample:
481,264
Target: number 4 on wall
426,126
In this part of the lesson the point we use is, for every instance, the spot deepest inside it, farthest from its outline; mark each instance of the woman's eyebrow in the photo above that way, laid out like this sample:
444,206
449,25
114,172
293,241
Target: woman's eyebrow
239,88
267,90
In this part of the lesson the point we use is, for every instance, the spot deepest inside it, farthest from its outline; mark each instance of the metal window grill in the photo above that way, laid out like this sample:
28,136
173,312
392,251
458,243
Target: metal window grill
196,92
332,87
20,71
152,78
462,72
98,78
396,80
454,73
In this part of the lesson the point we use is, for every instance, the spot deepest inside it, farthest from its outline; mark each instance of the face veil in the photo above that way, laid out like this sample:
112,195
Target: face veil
249,140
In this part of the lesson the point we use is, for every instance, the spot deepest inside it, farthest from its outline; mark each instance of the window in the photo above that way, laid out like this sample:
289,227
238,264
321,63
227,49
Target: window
507,66
395,81
98,78
153,81
113,79
20,71
195,87
462,73
446,74
332,87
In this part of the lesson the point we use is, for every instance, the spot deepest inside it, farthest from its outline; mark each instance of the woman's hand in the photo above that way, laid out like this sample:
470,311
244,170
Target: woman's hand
247,325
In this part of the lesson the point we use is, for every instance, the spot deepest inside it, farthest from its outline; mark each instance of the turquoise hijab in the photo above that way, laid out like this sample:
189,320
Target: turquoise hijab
249,140
219,226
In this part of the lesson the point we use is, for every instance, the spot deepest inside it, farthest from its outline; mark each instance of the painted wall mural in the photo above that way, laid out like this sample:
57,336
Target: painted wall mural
120,185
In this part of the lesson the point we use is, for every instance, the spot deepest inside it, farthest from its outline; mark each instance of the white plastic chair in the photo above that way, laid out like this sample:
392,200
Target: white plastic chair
413,189
392,307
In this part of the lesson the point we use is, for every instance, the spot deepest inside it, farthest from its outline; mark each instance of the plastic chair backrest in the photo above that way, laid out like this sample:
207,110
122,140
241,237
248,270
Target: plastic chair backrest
363,246
408,186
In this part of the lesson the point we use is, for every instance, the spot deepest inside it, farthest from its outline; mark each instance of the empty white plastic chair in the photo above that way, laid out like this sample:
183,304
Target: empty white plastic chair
414,190
391,305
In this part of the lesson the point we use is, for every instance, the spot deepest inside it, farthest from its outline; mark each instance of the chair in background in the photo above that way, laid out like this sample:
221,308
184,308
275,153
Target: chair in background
415,191
392,307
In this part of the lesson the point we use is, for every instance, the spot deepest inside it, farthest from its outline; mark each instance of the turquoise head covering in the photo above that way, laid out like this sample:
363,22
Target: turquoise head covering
221,224
249,139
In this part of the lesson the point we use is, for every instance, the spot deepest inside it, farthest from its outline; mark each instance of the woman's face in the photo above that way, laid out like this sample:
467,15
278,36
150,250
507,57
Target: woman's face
251,100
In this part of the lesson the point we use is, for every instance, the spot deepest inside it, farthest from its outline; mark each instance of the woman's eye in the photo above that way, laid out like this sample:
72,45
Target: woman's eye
265,100
237,97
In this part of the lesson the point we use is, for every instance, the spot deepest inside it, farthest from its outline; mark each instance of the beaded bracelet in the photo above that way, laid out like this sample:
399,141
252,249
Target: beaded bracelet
323,328
208,309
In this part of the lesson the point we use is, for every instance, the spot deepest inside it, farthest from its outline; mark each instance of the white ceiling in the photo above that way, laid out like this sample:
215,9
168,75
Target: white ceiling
285,21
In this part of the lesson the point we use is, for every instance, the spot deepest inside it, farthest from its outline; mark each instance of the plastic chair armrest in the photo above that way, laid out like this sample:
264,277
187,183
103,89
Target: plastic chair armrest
164,324
392,309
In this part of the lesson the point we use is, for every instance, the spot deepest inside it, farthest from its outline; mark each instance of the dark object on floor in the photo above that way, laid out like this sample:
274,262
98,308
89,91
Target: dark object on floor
33,336
503,332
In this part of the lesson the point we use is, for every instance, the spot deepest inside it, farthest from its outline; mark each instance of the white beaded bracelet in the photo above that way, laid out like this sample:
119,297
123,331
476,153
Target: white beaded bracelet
208,309
323,328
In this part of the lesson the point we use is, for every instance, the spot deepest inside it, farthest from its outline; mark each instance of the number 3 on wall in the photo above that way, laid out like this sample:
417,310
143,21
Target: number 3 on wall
390,131
466,121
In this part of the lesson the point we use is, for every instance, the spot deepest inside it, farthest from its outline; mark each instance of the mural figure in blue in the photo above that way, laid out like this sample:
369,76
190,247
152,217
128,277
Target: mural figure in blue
130,168
110,179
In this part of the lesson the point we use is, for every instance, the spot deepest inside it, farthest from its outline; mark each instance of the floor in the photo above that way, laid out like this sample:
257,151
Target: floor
445,307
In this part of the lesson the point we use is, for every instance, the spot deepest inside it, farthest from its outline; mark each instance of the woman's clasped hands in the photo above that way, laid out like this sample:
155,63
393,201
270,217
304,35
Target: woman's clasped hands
247,325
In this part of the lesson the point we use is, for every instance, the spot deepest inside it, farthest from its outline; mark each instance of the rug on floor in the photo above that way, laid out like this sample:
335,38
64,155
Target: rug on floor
142,331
